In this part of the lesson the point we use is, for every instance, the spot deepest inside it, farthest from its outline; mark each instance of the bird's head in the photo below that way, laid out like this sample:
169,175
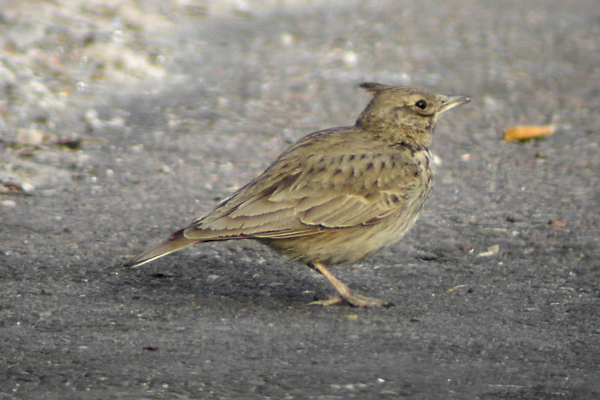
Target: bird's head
402,110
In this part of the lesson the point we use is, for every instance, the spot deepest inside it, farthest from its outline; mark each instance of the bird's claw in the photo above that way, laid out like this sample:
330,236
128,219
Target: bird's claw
355,300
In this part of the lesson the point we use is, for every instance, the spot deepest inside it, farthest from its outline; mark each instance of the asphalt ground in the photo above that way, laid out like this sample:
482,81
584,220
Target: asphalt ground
123,121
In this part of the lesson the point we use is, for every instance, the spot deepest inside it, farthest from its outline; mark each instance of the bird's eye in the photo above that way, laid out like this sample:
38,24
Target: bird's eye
422,104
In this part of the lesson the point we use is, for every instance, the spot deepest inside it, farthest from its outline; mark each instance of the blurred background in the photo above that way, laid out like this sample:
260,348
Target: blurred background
120,121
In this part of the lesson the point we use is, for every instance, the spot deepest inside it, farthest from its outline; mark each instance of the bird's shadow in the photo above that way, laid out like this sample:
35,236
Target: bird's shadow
244,272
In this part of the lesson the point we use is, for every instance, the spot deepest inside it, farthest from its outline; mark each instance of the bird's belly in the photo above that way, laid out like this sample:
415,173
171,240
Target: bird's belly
346,245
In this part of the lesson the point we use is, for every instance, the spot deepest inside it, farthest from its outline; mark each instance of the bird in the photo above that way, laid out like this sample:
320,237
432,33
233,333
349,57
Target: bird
338,195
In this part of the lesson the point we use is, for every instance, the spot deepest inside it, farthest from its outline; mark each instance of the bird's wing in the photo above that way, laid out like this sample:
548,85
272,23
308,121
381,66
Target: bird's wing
328,192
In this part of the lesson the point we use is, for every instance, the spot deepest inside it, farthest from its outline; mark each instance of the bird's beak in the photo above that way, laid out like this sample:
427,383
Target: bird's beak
452,101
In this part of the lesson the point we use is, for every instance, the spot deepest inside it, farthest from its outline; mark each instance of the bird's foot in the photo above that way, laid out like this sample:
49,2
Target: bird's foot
355,300
346,294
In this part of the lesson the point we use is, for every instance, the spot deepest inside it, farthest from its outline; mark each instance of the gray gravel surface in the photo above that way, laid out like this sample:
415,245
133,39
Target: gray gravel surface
122,121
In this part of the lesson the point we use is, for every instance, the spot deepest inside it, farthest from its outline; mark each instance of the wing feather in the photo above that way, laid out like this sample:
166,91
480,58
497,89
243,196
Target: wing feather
329,192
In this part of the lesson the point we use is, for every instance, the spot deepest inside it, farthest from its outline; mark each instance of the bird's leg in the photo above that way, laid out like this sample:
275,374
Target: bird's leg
356,300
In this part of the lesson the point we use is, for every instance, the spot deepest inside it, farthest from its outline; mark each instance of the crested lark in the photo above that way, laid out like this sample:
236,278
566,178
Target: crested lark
337,195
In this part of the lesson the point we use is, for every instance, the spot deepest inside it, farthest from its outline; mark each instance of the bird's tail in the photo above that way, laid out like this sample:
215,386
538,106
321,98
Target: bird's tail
177,241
